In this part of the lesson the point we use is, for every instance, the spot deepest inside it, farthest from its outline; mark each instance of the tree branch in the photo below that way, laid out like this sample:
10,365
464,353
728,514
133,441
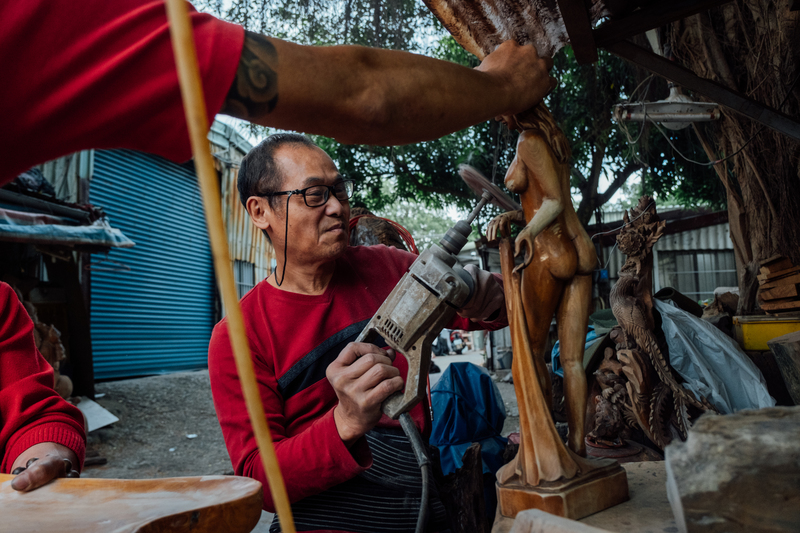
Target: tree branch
619,180
582,181
405,171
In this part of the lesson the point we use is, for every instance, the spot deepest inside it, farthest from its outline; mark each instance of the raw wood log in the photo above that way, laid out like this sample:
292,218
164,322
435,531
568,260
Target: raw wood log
462,495
766,278
783,291
790,280
774,264
786,349
737,473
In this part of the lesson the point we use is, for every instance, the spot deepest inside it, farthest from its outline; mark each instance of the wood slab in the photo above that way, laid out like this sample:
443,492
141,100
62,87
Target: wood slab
775,264
206,504
790,305
781,282
782,291
779,278
574,498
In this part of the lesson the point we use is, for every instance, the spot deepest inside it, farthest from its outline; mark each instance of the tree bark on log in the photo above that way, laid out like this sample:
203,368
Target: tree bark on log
751,46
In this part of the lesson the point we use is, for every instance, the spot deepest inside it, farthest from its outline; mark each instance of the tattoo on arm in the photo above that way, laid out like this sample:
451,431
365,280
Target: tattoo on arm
254,91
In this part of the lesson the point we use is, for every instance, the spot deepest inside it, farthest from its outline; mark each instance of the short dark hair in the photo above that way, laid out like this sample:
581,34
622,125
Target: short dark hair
259,174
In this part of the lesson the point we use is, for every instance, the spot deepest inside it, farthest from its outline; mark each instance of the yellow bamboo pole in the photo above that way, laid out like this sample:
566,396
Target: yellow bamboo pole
194,107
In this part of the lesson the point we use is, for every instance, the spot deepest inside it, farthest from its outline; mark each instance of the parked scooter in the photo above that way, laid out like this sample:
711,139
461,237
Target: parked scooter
456,341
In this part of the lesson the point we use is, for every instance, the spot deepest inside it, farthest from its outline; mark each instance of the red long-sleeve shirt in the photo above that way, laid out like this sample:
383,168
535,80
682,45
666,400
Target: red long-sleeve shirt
293,338
31,412
81,74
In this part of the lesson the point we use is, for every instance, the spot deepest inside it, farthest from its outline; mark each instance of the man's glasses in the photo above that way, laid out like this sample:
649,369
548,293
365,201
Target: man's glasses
317,195
314,196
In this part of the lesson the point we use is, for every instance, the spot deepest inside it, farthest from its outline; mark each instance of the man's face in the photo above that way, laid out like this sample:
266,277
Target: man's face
315,234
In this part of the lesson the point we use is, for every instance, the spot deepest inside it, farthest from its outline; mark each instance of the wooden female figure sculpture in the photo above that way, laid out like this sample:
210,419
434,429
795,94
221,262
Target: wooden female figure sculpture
554,279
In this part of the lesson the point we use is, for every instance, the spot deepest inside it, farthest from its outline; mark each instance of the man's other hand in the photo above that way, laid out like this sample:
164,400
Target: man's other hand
520,70
488,301
42,463
363,377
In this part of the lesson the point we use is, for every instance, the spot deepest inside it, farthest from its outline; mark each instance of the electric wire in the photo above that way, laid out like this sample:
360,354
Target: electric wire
717,161
411,431
285,244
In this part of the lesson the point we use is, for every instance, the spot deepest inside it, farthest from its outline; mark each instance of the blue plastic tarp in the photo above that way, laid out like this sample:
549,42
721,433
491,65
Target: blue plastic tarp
467,408
41,228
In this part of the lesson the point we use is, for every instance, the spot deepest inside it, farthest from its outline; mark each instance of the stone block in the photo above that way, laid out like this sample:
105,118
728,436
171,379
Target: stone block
738,473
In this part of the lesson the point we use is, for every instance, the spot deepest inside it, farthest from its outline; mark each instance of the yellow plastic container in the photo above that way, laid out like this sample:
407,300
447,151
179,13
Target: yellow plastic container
753,332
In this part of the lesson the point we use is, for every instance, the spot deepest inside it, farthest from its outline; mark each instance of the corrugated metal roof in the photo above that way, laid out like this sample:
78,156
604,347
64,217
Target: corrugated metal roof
65,173
709,238
158,316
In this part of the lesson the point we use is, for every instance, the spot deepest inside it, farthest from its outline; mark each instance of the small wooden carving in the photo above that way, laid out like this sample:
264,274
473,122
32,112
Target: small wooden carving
554,279
48,341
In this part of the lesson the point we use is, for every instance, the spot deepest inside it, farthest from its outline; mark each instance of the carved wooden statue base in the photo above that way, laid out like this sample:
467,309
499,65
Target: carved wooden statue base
602,487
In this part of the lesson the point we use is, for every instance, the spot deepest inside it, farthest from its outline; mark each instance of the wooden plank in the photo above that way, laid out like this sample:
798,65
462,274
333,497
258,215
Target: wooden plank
770,267
775,276
781,306
649,18
579,28
787,354
207,504
712,90
784,291
781,282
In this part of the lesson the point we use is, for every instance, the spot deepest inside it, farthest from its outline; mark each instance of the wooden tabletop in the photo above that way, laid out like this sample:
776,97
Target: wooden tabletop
196,504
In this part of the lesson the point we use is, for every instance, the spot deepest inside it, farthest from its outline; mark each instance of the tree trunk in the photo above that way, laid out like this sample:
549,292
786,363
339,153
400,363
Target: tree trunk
752,46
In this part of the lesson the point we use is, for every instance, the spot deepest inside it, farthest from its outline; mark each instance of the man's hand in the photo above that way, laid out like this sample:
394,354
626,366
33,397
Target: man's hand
522,72
363,377
42,463
488,299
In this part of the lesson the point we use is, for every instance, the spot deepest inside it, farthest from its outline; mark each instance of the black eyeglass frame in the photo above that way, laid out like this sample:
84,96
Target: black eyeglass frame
329,189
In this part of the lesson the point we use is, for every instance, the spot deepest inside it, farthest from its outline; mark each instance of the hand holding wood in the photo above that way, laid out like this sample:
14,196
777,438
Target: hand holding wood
519,69
41,463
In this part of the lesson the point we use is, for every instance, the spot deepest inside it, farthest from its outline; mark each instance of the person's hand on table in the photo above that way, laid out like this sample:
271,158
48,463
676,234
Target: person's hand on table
520,69
42,463
363,377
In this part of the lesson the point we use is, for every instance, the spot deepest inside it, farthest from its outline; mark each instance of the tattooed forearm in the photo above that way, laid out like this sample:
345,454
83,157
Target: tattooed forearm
254,91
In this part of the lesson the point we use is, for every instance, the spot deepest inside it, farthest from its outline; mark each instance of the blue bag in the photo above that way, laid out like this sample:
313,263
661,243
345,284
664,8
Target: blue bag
467,408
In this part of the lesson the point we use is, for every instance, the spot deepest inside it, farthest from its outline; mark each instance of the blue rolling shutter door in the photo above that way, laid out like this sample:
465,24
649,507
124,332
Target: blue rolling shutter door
158,317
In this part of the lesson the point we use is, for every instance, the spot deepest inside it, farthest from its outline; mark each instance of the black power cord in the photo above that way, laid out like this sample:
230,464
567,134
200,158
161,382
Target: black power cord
418,446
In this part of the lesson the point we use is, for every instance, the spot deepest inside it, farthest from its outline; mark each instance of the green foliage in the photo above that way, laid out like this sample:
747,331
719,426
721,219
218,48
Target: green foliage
582,104
426,173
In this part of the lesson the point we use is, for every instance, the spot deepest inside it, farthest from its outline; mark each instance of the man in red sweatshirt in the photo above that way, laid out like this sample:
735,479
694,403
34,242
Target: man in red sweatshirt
346,466
41,435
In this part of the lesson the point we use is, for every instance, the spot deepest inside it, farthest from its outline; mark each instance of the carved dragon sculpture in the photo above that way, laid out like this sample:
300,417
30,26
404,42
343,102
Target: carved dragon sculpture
657,403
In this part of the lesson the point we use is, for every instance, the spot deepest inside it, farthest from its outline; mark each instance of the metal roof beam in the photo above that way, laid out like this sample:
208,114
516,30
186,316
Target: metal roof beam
720,94
643,20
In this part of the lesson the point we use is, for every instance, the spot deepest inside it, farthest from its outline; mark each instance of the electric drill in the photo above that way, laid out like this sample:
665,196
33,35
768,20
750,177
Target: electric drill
422,303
